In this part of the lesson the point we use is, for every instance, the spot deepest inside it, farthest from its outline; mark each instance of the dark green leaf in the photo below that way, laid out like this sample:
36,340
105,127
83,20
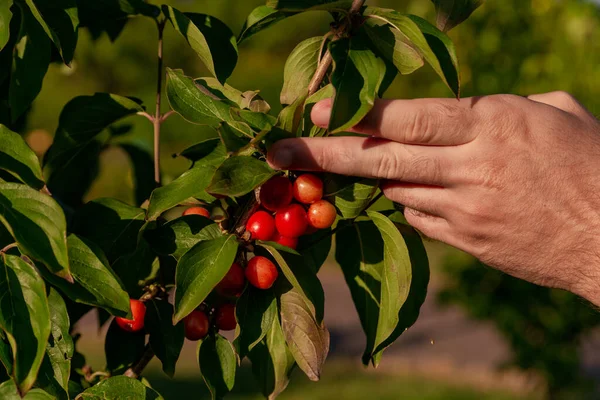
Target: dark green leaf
306,5
200,270
394,46
30,63
24,318
272,362
95,283
453,12
357,76
38,225
315,248
166,339
119,387
60,20
80,122
248,100
111,224
122,348
235,135
433,45
255,311
218,363
307,339
6,356
19,160
5,17
138,269
8,391
300,68
239,175
192,183
291,116
179,235
261,18
210,38
143,171
203,149
304,279
350,195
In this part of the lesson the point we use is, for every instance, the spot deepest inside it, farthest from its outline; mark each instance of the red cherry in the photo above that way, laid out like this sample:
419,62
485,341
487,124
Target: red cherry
261,272
308,189
276,193
196,325
233,283
261,225
321,215
291,221
292,243
138,312
197,211
225,318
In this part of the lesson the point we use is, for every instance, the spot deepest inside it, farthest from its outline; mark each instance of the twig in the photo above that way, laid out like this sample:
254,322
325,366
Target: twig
166,115
157,120
146,115
8,247
136,370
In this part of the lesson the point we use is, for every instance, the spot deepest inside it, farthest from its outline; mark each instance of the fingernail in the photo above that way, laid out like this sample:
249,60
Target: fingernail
321,113
281,157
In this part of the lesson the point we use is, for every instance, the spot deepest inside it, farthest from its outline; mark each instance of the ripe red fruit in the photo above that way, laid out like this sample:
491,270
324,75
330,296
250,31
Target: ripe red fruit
138,312
197,211
261,225
291,221
308,189
233,283
276,193
225,318
321,215
261,272
196,325
285,241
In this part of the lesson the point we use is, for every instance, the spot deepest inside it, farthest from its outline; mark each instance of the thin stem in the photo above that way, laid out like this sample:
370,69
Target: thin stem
157,120
135,371
166,116
8,247
147,116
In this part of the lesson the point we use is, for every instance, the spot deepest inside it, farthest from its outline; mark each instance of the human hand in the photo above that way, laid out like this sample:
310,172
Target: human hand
513,181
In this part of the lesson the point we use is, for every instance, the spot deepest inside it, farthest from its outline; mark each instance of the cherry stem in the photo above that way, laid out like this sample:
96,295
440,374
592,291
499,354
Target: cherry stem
136,370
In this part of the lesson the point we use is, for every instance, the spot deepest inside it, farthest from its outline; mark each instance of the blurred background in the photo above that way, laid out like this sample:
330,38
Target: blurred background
481,334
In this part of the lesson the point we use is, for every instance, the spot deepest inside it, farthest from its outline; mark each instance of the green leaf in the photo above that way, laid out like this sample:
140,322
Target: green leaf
19,160
261,18
357,76
203,149
235,135
95,282
315,248
255,311
433,45
350,195
138,269
210,38
192,183
394,46
194,102
143,171
122,349
307,5
218,363
200,270
38,225
453,12
76,146
56,368
300,68
166,339
272,362
110,224
239,175
302,278
307,339
24,318
291,116
60,20
176,237
5,17
8,391
309,129
248,100
119,387
30,63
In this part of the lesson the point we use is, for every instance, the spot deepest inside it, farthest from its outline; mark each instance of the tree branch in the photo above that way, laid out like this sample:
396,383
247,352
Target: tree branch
136,370
157,119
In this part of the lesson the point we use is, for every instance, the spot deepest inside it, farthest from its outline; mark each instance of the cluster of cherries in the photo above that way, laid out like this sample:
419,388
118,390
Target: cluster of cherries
282,221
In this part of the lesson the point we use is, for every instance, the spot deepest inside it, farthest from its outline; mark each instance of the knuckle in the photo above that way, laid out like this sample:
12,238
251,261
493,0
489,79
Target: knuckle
390,166
427,167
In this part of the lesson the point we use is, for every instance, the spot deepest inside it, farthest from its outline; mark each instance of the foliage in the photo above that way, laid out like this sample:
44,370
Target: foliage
63,256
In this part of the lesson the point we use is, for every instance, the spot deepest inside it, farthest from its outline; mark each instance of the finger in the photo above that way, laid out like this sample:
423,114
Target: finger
366,157
433,227
432,200
440,122
563,101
